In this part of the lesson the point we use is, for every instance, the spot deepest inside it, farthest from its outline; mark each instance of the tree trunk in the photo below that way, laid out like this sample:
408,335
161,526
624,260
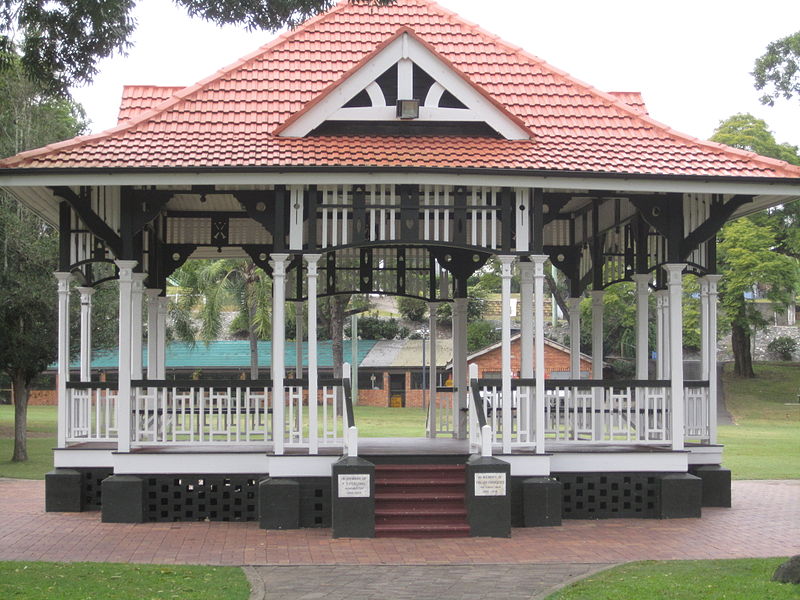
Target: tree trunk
337,306
742,357
560,300
19,390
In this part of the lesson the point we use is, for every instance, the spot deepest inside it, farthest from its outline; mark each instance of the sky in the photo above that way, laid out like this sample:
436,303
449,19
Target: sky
690,59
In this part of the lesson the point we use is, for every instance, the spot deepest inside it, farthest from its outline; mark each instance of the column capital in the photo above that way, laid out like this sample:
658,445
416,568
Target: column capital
712,278
506,262
86,292
126,268
62,276
311,258
278,263
597,296
525,272
574,303
642,278
152,293
674,271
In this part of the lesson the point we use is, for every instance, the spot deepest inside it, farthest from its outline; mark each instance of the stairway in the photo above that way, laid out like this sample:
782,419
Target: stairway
420,501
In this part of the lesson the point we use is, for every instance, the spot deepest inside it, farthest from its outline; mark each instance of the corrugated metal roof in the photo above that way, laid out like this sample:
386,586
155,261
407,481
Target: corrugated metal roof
230,118
230,354
406,353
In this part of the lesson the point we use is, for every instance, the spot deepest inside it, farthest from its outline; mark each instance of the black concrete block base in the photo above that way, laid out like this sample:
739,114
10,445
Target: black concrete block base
716,484
488,497
278,504
542,499
680,496
63,491
353,498
123,499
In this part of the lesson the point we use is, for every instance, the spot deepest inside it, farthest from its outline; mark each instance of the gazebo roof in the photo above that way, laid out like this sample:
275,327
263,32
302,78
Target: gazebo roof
241,116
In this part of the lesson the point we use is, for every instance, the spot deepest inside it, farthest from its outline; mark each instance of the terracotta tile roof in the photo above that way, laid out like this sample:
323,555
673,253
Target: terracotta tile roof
632,99
137,99
230,118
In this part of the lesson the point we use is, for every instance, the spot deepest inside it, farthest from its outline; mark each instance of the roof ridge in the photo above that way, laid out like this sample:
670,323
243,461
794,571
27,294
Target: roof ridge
172,100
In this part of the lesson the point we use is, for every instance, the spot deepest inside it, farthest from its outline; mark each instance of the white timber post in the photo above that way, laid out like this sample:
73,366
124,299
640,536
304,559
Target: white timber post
661,329
124,385
278,264
152,331
86,332
642,325
161,341
713,282
675,290
525,409
460,367
63,280
574,308
506,262
313,385
704,332
137,295
432,427
599,392
538,317
298,337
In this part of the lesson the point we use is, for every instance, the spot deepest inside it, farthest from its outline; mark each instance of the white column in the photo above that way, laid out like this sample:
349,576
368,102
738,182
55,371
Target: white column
460,367
161,343
538,317
675,290
137,295
597,333
506,263
152,332
124,371
526,319
63,280
642,324
432,424
574,308
278,263
86,332
662,360
713,281
704,332
298,337
313,386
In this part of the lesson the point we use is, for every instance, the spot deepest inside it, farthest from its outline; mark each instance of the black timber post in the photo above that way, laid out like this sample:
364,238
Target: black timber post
508,218
597,247
359,214
537,222
675,228
281,216
126,224
642,231
365,271
312,201
409,213
460,215
64,235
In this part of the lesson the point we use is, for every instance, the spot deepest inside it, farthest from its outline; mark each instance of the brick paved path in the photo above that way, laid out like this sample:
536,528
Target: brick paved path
764,521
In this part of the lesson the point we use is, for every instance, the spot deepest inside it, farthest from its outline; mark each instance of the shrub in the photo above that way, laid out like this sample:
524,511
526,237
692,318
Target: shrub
782,347
413,309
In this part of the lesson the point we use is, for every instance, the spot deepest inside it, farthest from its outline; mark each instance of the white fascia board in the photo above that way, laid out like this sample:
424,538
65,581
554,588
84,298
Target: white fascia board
65,458
785,191
705,455
619,462
527,465
301,466
369,72
190,463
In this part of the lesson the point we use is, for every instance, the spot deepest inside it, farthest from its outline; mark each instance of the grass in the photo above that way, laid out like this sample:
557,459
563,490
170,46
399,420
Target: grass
112,581
377,421
765,441
742,579
41,440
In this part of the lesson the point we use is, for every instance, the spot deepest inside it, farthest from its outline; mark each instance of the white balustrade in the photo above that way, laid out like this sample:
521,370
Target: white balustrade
697,407
91,414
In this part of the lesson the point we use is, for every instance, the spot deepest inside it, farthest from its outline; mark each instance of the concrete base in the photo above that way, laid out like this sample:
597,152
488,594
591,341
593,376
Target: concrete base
716,485
541,499
680,496
488,497
123,499
353,498
63,491
278,504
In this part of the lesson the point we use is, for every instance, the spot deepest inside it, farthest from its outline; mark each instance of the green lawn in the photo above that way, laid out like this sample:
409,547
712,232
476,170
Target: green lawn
112,581
742,579
41,441
765,441
378,421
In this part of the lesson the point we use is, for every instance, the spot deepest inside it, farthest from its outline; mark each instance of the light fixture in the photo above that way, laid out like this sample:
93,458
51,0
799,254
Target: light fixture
408,109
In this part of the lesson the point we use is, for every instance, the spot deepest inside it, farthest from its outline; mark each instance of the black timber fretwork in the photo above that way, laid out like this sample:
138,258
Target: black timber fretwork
82,206
149,204
174,256
720,212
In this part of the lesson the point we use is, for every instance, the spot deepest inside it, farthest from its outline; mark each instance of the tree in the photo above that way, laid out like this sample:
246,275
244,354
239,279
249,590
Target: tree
62,40
762,248
29,117
413,309
778,69
208,286
746,256
481,334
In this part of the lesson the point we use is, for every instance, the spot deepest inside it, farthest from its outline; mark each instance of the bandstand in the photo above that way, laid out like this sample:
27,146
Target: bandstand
392,150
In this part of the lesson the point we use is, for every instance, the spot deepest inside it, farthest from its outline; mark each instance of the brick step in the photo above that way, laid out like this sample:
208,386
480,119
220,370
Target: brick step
429,496
417,530
419,468
428,503
416,511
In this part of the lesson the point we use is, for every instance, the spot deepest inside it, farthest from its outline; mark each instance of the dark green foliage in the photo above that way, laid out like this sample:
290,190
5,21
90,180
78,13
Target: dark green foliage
778,69
481,334
782,347
376,328
413,309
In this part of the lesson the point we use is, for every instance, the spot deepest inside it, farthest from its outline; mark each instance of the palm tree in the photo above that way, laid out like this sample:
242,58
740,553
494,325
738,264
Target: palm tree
210,286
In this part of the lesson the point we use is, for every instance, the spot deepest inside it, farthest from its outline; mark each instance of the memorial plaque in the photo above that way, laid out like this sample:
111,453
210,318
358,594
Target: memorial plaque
354,486
490,484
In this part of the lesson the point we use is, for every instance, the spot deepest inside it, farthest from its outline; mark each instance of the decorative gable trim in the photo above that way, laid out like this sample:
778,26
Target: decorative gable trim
405,50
